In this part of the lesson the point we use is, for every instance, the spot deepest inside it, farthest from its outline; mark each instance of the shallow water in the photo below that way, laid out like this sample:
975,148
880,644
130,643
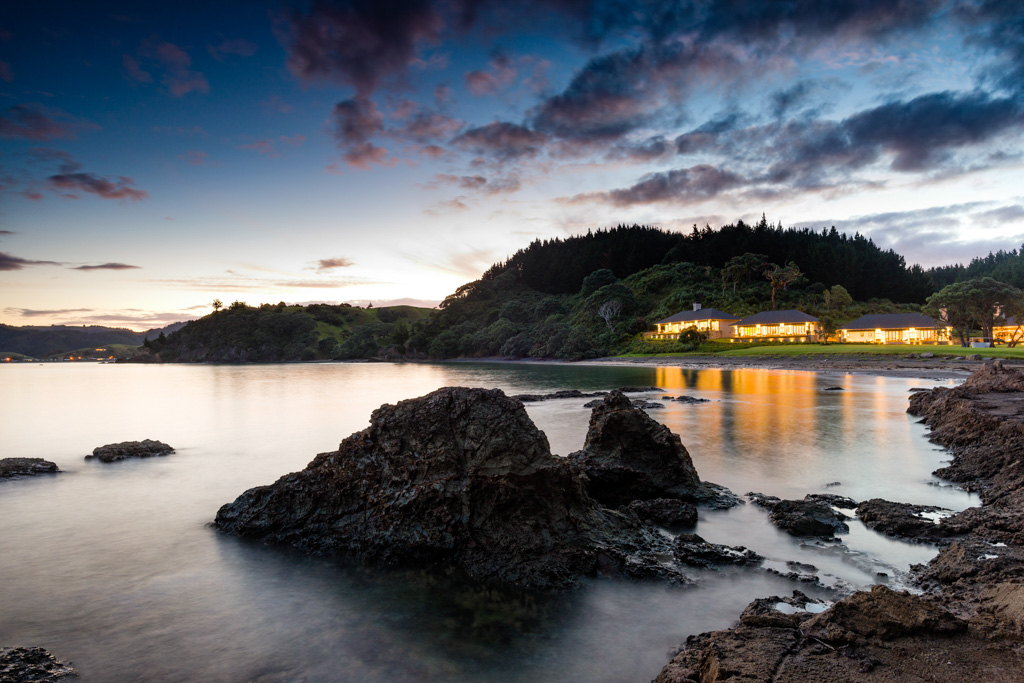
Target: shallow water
114,566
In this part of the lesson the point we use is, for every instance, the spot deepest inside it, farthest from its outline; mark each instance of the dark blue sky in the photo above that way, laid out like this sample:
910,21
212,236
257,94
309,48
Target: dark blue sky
155,157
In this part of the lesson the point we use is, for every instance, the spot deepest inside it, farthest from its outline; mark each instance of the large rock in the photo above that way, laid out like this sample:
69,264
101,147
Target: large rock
629,456
32,664
459,477
692,550
25,467
904,520
123,450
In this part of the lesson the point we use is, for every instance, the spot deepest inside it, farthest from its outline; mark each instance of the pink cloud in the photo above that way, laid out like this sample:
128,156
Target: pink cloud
178,76
36,122
6,74
122,188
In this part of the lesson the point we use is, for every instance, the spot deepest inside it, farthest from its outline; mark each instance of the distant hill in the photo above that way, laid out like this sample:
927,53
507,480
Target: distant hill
39,341
270,333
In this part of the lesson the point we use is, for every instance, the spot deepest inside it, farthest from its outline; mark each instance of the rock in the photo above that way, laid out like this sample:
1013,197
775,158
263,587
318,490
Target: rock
629,456
833,389
833,499
833,483
769,612
667,512
562,393
881,613
458,478
32,664
902,520
113,452
911,355
927,354
740,654
692,550
808,517
689,400
973,356
25,467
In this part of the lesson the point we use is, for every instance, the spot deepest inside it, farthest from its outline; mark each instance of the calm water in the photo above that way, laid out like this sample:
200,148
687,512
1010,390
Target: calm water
114,567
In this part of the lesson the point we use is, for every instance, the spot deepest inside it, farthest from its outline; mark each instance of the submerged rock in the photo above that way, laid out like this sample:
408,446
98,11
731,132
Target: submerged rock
32,664
629,456
25,467
459,477
146,448
812,516
692,400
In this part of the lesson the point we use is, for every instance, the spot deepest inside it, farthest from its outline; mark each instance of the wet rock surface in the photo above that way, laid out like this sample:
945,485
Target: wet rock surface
147,448
629,456
694,551
576,393
903,520
689,400
25,467
457,478
773,612
812,516
22,664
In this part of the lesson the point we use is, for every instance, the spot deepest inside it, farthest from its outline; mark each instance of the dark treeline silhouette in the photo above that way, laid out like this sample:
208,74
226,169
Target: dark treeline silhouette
558,266
1005,266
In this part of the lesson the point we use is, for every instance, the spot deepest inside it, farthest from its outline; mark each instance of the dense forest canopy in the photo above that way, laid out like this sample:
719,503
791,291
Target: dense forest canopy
558,266
1005,266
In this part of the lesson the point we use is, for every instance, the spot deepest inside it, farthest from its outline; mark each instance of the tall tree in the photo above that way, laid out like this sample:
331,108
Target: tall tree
780,277
974,303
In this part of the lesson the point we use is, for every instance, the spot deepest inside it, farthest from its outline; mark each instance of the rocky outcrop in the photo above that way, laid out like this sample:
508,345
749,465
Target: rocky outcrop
459,478
25,467
694,551
877,635
666,512
113,452
576,393
34,664
812,516
629,456
903,520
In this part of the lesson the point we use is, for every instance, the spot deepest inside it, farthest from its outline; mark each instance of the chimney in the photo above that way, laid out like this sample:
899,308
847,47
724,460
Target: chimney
696,306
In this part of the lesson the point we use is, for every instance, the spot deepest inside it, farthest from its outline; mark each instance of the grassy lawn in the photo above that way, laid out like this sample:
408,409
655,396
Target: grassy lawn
842,349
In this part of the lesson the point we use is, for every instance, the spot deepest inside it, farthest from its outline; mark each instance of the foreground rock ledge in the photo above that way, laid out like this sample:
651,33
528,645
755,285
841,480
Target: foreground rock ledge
459,477
33,664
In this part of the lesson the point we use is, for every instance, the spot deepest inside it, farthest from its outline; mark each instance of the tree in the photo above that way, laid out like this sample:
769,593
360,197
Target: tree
837,299
217,305
974,303
610,310
781,277
742,268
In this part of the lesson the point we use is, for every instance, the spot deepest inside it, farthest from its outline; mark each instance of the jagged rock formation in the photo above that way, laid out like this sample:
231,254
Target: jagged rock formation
629,456
812,516
903,520
18,664
146,448
25,467
459,477
692,550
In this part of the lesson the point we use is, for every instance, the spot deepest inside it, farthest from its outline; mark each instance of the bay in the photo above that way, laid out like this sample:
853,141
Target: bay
115,567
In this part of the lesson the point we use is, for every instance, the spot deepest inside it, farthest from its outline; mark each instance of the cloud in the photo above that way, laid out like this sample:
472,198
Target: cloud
1004,214
6,73
355,121
263,146
178,76
275,103
500,74
108,266
502,140
195,157
12,262
6,233
185,131
357,42
36,122
119,188
238,47
683,185
425,126
478,183
326,264
786,100
37,313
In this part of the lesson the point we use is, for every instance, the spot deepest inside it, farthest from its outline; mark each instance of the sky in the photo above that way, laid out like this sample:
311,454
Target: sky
157,156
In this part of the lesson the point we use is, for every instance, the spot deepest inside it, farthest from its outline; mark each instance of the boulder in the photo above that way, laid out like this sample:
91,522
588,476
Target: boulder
779,612
25,467
692,550
629,456
146,448
808,517
457,478
884,614
32,664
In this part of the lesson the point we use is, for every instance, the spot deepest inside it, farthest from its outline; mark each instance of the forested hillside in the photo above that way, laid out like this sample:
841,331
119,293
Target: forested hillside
40,341
828,257
241,333
1005,266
